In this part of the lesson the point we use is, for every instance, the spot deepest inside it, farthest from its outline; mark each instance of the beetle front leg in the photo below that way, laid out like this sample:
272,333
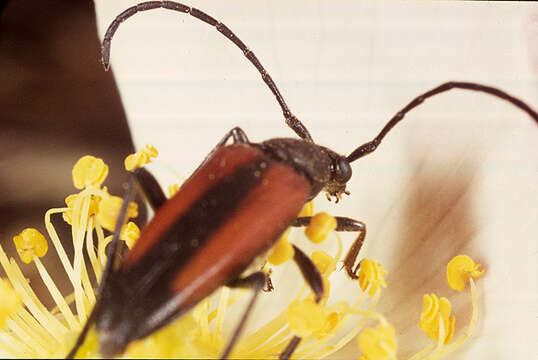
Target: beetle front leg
150,188
344,224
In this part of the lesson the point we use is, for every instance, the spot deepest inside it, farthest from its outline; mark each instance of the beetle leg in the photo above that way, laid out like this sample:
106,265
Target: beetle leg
289,350
310,272
313,278
268,282
345,224
150,188
238,136
256,282
236,133
111,264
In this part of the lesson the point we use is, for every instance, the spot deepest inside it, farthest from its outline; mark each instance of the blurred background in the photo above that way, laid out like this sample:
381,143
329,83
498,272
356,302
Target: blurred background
57,104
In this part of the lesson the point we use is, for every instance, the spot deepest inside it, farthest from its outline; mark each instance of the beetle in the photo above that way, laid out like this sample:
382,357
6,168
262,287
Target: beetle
232,209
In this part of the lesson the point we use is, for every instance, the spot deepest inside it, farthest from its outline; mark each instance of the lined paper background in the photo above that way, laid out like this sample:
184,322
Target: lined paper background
460,174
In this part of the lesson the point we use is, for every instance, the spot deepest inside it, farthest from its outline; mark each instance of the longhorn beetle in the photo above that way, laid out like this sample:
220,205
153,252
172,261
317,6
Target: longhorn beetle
232,209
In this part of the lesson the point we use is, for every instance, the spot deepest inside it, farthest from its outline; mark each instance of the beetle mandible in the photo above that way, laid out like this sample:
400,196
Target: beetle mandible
232,209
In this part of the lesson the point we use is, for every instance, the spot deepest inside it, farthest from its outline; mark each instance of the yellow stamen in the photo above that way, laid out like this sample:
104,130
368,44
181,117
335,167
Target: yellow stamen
282,251
459,270
306,317
307,210
378,343
436,311
320,226
30,242
130,234
89,171
109,210
324,262
11,302
56,295
173,189
372,276
141,157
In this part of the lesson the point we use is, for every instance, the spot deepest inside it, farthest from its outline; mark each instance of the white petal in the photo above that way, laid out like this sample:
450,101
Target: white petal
460,174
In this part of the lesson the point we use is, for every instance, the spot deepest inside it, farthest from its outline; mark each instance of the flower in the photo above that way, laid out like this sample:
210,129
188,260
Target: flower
457,175
29,329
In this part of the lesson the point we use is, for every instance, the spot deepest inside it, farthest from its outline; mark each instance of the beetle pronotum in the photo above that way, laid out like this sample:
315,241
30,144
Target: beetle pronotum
297,169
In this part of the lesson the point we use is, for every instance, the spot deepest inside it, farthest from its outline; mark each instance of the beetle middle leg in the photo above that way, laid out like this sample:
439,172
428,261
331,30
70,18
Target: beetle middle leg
311,273
313,278
344,224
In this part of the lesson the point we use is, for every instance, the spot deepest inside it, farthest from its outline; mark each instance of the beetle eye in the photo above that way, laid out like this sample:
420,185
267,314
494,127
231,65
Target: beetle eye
342,172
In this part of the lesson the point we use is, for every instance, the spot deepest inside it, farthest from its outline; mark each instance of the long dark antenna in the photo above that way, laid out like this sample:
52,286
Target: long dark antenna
371,146
292,121
109,267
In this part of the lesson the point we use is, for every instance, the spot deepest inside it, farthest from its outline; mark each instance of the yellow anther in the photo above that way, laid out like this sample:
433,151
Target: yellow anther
130,234
320,226
324,262
307,210
141,157
459,269
282,251
30,242
173,189
11,301
109,210
306,317
331,321
68,214
70,202
372,274
88,171
434,311
378,343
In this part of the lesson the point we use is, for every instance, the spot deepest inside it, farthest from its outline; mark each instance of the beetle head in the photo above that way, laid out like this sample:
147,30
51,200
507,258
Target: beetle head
340,174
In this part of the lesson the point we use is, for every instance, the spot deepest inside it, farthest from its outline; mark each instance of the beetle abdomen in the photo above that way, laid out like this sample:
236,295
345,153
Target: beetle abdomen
233,208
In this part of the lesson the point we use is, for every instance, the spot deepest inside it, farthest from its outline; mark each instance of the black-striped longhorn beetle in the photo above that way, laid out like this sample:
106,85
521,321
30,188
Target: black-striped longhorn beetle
232,209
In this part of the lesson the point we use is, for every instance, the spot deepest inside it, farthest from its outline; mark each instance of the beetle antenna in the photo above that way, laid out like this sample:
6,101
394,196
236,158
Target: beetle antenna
109,267
291,120
371,146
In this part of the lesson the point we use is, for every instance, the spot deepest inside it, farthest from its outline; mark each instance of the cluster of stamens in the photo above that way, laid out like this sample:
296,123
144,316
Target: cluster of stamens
29,329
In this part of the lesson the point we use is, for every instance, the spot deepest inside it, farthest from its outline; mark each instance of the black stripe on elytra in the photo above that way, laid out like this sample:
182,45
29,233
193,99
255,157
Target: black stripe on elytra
154,271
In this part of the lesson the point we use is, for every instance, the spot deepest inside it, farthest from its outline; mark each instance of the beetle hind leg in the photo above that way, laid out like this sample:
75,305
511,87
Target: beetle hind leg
345,224
256,281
